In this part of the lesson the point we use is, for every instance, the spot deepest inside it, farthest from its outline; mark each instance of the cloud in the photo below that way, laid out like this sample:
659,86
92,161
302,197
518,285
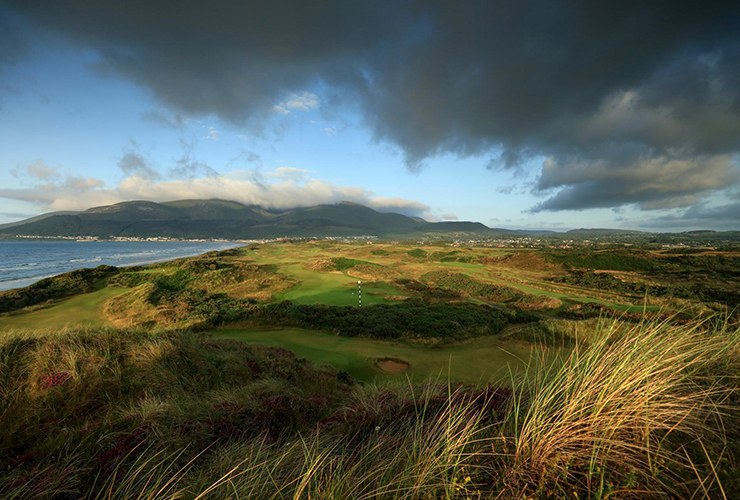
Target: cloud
189,167
54,180
212,134
156,117
247,157
288,173
655,82
36,170
281,192
448,217
14,216
305,101
82,183
403,206
647,181
700,216
13,45
133,163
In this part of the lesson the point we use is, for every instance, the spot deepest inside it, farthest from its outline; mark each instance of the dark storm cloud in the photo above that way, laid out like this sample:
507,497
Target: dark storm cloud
700,216
13,45
614,177
602,90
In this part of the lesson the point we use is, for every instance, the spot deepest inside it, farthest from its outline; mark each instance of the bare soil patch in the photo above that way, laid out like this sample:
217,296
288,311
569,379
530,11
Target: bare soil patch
392,365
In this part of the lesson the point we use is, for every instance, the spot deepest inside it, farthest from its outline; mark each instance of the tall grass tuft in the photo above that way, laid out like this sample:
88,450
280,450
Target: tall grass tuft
632,412
430,453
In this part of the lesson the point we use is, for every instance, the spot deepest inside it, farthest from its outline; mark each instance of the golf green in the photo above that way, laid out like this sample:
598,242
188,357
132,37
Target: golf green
475,361
336,289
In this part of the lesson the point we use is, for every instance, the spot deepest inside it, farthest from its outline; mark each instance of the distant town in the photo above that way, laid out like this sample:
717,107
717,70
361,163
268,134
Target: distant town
671,241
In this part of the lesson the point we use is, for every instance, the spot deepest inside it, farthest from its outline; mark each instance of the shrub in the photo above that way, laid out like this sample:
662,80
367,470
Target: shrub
56,287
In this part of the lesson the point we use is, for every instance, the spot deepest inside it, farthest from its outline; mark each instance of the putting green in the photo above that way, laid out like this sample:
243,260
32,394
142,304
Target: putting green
475,361
334,289
79,311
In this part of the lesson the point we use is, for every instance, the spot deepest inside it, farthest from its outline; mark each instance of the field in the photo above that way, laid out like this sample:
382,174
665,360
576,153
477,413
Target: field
212,290
76,312
475,361
466,373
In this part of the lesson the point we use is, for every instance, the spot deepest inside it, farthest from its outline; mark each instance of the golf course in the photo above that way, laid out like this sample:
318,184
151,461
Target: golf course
241,294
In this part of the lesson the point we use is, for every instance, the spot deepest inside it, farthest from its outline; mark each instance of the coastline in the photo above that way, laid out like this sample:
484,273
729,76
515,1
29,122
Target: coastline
24,262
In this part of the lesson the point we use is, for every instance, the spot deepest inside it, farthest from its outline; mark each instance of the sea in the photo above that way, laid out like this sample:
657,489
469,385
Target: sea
25,262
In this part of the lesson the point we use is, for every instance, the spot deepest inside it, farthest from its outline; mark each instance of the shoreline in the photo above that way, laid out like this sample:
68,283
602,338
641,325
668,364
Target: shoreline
62,265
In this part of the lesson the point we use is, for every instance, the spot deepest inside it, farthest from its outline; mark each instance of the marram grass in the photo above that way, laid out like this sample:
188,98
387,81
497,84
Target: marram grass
638,411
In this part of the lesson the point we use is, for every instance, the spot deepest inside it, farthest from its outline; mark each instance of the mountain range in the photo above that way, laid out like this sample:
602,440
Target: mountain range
221,219
232,220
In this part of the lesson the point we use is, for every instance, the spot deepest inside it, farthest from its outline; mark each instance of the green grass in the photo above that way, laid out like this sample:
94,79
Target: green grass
475,361
573,299
644,410
474,270
333,289
79,311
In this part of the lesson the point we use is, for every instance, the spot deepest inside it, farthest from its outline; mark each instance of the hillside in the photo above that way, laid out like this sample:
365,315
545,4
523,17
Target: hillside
228,219
221,219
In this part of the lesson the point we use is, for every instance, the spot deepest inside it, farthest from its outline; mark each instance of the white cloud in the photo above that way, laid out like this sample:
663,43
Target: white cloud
288,173
303,101
83,183
37,170
330,131
448,217
399,205
212,134
283,188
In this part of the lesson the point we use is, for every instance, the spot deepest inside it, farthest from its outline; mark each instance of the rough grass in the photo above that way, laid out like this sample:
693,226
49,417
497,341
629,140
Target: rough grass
638,411
85,310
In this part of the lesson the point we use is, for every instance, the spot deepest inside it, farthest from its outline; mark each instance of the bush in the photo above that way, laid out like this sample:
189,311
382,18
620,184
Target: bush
405,320
56,287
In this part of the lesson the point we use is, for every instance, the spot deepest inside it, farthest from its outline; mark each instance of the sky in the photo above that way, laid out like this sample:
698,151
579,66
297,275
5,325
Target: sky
532,115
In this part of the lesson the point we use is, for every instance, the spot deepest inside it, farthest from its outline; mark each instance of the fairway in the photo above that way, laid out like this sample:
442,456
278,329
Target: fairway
79,311
475,361
572,299
335,289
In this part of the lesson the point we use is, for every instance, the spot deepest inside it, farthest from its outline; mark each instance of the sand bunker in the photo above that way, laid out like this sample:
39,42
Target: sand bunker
392,365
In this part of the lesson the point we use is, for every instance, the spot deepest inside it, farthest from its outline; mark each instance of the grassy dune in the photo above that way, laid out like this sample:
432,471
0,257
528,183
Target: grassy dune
642,411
